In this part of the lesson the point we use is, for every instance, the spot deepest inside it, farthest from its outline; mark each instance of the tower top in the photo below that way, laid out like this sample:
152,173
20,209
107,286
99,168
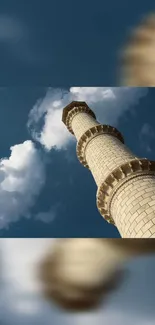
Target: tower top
72,105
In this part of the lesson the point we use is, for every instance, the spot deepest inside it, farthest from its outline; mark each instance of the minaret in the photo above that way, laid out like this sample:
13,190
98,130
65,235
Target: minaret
126,183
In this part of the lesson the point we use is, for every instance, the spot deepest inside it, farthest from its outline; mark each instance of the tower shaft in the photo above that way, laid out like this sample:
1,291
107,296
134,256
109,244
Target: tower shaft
126,183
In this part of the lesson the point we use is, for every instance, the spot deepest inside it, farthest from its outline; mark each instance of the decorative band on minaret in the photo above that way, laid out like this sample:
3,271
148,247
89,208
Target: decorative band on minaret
126,183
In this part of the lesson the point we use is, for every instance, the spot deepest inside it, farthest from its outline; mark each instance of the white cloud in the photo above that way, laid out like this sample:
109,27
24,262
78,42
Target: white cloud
21,178
109,104
50,108
20,259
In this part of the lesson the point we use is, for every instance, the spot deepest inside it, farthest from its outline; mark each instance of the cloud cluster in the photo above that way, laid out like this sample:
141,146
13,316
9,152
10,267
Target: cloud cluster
21,178
108,103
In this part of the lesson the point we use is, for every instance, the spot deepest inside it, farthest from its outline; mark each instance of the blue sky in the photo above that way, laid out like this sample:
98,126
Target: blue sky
61,44
22,303
44,190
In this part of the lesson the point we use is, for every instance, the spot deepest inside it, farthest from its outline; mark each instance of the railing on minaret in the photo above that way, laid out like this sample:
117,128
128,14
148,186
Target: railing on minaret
126,183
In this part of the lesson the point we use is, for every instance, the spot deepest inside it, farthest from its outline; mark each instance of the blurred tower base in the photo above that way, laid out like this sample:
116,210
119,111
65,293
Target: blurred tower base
78,273
138,57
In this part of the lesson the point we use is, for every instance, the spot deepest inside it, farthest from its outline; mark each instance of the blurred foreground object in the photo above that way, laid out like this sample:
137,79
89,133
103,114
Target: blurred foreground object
78,273
138,58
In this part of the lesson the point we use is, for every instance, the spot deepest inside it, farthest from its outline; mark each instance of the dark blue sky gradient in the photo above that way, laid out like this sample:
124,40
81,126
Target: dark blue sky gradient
67,43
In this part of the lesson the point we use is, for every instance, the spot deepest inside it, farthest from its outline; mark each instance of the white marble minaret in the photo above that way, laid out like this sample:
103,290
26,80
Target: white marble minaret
126,183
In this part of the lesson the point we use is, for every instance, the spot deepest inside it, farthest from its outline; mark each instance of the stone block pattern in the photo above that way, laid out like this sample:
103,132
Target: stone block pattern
81,123
104,153
133,205
133,208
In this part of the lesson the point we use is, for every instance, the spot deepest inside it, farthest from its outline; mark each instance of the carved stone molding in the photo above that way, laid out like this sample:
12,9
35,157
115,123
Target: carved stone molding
73,109
117,178
91,134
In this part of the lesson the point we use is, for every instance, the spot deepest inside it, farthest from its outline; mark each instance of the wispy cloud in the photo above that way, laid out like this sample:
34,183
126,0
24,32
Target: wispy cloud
147,130
49,215
16,38
109,104
11,30
146,135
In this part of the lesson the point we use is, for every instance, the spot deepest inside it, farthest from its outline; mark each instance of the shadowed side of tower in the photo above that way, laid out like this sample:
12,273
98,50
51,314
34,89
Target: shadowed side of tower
126,183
